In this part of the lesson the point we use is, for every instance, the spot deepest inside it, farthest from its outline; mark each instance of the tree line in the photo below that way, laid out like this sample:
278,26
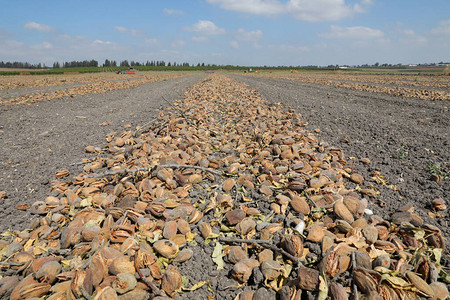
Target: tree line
21,65
123,63
148,63
95,63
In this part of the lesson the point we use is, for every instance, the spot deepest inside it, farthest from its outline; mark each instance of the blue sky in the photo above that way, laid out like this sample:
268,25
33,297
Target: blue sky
235,32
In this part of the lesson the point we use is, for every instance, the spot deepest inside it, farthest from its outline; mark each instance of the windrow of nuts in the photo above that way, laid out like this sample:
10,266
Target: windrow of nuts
434,90
97,87
229,171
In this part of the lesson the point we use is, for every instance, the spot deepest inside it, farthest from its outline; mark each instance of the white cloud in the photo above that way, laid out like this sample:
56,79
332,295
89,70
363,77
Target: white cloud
43,46
353,33
257,7
304,10
234,44
121,29
442,29
178,43
406,36
249,36
173,11
152,42
321,10
409,32
39,27
62,47
199,38
132,32
205,27
100,42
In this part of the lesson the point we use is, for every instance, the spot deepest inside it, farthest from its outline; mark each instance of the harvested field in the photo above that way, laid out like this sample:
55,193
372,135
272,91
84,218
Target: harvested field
16,90
226,194
426,86
44,137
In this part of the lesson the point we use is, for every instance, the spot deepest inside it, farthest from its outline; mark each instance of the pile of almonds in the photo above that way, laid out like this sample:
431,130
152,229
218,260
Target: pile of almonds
97,87
426,92
223,173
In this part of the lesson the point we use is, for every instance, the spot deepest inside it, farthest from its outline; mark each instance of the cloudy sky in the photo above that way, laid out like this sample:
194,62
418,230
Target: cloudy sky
235,32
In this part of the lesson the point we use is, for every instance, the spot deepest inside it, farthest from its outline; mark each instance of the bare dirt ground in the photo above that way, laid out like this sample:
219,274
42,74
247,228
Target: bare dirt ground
402,137
40,139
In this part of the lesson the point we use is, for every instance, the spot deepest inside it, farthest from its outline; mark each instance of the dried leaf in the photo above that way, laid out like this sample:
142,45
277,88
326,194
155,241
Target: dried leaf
217,256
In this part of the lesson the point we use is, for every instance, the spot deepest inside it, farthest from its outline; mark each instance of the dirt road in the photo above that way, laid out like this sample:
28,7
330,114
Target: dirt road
46,137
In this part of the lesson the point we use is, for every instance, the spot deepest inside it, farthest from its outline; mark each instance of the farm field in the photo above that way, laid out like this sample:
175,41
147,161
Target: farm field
434,86
208,176
30,89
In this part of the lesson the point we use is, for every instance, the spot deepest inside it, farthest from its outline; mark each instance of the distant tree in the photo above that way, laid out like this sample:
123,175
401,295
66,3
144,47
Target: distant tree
124,63
56,65
107,63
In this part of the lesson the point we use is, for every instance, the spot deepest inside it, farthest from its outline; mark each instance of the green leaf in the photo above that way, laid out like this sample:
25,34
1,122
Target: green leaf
184,281
155,238
211,237
224,228
196,286
217,256
444,276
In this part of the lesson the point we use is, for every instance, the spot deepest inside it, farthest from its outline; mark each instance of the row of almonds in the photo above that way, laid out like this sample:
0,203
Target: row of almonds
434,81
278,210
97,87
21,82
422,92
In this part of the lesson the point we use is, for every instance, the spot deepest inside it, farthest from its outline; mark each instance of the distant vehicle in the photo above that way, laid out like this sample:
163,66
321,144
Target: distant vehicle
130,71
